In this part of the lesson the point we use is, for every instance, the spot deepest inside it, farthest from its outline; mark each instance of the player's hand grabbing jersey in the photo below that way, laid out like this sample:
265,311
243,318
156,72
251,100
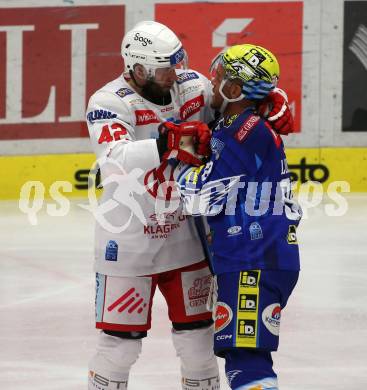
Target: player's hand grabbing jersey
131,237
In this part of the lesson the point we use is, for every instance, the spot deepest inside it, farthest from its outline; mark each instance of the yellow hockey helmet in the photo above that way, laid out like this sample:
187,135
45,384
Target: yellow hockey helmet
254,65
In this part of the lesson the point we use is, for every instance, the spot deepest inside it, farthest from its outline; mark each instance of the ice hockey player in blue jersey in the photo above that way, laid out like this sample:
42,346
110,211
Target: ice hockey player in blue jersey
245,192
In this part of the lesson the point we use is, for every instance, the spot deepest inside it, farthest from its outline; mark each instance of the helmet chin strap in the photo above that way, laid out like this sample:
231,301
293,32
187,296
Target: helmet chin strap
226,99
223,106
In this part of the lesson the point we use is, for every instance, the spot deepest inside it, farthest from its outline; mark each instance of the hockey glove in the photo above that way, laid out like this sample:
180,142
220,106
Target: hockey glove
204,136
186,141
276,110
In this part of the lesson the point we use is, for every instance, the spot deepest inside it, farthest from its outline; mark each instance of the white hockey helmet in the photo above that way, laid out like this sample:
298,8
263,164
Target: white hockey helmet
152,45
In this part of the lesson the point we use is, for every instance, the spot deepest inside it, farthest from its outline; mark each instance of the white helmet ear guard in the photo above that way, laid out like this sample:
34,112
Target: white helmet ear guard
152,45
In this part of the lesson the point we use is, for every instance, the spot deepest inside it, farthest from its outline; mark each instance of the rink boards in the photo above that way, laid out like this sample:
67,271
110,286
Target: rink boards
68,173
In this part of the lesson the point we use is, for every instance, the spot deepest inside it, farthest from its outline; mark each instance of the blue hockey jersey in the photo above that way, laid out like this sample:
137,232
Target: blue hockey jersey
245,193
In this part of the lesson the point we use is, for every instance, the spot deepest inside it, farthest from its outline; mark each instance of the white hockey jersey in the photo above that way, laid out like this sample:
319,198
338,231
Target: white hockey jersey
135,235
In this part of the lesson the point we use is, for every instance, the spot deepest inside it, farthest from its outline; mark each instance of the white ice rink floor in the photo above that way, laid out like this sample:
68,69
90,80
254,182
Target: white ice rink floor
47,293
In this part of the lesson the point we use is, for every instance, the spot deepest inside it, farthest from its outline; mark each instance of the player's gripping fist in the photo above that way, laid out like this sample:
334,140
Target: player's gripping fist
276,110
185,141
202,138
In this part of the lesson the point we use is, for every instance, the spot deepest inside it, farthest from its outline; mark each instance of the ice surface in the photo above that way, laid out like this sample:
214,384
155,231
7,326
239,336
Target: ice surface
47,293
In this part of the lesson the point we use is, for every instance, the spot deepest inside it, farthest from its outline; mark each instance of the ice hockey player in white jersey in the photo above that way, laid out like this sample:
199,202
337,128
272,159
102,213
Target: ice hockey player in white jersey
140,242
139,245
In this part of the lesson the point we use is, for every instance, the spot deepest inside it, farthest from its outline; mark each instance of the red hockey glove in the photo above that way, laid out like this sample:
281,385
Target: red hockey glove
280,116
186,141
203,136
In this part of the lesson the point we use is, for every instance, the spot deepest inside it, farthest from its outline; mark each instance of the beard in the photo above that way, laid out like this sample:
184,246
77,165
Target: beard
155,93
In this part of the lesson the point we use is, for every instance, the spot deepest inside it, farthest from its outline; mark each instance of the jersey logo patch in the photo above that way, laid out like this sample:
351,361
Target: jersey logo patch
122,92
191,107
216,145
100,114
144,117
256,232
244,131
111,251
271,318
183,77
223,316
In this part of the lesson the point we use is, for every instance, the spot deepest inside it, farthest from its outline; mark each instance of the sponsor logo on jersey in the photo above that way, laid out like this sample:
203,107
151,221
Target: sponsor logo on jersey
162,231
167,109
292,236
191,107
234,230
216,146
111,251
246,328
223,337
163,224
223,316
136,101
256,232
122,92
244,131
145,117
247,302
183,77
271,318
229,120
100,114
143,40
199,291
247,308
249,278
130,302
190,89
